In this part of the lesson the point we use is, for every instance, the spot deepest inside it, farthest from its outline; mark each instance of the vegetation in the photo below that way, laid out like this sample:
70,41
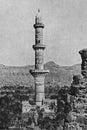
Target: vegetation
10,111
70,113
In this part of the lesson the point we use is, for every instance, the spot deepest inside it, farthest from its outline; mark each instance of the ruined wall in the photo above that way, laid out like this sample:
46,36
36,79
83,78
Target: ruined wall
83,54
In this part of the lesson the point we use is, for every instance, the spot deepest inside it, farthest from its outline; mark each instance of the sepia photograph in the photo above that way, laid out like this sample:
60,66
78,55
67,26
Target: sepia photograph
43,64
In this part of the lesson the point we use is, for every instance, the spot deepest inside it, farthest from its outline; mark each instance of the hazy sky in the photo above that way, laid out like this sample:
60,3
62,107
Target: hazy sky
65,31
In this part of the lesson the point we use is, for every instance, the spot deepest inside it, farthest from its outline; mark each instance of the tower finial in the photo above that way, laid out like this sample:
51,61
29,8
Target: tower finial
38,13
38,18
38,10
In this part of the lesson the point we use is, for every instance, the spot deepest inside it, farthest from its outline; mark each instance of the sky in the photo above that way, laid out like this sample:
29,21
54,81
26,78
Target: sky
65,31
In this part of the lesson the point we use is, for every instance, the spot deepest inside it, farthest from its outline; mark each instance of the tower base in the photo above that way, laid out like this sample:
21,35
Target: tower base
39,76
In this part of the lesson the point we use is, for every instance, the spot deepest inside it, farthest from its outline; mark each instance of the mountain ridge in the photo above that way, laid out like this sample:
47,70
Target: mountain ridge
16,75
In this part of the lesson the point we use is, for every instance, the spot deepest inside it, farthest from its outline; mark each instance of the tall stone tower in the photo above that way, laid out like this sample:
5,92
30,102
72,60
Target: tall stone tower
39,72
83,54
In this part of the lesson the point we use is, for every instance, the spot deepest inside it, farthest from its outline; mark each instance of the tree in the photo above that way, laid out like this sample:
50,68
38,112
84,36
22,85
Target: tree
49,124
10,108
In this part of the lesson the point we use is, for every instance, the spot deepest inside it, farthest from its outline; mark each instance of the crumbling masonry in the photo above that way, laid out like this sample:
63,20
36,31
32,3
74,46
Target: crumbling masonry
83,54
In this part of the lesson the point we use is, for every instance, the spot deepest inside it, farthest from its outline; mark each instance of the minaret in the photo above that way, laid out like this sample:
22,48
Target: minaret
39,72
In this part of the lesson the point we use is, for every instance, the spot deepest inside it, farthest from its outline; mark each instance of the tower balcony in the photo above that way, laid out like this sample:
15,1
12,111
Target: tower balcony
39,46
39,25
39,72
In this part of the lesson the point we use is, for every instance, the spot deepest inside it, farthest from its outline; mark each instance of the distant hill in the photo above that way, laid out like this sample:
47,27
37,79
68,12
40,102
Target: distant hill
62,74
21,76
